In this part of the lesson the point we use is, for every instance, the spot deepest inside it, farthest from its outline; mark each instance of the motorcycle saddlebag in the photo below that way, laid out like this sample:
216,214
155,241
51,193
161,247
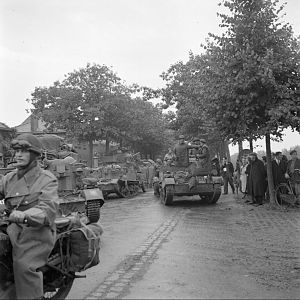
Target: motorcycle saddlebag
85,246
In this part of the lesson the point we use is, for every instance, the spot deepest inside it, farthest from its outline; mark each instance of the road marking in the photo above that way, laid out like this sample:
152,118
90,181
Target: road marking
118,282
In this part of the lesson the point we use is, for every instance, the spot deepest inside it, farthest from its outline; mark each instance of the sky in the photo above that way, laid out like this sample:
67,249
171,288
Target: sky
41,41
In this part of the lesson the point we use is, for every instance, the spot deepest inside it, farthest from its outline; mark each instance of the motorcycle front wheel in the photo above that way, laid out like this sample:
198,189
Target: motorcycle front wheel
61,292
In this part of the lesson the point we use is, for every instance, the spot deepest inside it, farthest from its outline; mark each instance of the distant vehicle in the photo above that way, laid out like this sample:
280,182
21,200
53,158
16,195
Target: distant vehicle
178,181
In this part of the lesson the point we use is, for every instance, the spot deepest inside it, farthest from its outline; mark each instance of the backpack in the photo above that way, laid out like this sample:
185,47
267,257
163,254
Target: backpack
85,246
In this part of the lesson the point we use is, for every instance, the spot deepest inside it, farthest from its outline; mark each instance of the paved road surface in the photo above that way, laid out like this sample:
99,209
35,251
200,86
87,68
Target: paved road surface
189,250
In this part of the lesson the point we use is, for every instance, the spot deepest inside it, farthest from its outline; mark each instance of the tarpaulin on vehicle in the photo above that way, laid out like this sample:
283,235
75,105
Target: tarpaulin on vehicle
51,142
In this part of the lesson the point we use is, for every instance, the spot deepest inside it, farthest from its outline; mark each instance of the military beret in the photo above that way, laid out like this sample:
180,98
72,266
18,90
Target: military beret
181,136
202,140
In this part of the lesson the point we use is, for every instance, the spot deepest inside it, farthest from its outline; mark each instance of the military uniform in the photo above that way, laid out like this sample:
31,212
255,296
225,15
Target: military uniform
36,195
204,157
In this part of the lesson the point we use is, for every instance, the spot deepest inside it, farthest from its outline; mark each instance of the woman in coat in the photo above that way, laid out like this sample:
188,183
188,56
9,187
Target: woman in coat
243,175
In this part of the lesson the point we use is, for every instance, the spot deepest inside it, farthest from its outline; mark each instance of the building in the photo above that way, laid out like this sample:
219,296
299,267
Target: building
6,134
36,126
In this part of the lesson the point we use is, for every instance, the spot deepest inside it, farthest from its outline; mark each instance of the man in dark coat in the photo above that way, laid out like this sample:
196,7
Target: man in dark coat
257,180
227,174
279,167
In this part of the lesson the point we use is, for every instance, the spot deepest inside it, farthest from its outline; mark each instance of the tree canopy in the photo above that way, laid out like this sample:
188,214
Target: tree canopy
246,81
93,103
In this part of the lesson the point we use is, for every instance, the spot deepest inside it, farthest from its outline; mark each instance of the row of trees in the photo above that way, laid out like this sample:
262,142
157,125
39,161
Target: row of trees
245,84
92,104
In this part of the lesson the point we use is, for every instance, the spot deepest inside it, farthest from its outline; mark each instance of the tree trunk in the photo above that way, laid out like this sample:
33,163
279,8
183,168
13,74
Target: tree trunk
240,143
107,145
90,162
227,152
222,151
251,144
269,170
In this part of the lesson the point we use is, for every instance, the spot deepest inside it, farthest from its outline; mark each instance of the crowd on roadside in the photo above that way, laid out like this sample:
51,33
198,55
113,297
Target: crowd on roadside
250,175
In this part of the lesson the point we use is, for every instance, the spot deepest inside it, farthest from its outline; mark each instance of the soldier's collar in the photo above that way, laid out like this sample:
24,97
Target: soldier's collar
32,174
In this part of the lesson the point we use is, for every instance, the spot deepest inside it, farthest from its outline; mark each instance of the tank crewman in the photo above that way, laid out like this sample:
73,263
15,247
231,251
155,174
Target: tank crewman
196,141
157,167
203,155
181,152
31,200
169,157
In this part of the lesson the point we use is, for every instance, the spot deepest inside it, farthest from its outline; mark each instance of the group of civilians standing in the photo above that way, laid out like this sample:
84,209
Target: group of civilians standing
250,175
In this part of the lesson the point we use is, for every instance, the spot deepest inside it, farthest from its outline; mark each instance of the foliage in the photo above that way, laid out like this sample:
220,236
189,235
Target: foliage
184,89
92,103
253,72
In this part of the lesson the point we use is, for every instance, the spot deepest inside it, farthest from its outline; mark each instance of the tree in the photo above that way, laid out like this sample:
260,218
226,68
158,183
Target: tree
146,131
252,78
93,104
88,104
184,89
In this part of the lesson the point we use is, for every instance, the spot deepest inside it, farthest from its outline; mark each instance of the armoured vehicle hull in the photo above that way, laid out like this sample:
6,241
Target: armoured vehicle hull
120,177
176,181
76,192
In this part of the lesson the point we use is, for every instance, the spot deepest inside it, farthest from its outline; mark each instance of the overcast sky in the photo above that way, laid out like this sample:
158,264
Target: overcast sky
41,40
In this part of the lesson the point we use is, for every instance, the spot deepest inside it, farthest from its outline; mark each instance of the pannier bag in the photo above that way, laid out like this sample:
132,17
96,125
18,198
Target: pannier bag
85,246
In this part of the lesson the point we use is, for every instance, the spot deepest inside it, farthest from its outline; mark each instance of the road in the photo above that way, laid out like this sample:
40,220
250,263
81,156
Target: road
229,250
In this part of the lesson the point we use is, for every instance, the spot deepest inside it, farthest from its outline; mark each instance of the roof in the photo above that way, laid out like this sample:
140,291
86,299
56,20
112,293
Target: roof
4,127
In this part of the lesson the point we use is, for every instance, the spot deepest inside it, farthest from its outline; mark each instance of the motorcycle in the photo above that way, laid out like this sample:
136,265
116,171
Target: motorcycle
64,261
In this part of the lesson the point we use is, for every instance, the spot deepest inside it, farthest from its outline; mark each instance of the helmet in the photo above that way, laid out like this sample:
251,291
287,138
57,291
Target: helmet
181,137
203,141
28,142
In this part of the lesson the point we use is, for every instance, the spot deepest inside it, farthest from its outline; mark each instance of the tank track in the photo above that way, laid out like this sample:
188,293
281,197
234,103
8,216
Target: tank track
92,208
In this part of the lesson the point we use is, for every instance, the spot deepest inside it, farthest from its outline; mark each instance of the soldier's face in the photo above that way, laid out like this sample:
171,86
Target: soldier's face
22,157
181,141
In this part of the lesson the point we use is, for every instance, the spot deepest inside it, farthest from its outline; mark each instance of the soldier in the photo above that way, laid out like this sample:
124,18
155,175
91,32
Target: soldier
31,201
181,152
203,155
169,157
157,167
227,174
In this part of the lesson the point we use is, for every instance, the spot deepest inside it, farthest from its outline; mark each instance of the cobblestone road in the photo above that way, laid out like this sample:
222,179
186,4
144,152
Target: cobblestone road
231,250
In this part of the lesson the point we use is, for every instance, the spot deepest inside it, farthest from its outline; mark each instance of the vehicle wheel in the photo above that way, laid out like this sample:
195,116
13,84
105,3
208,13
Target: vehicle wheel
205,199
216,195
168,195
60,293
143,187
284,195
156,189
123,191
